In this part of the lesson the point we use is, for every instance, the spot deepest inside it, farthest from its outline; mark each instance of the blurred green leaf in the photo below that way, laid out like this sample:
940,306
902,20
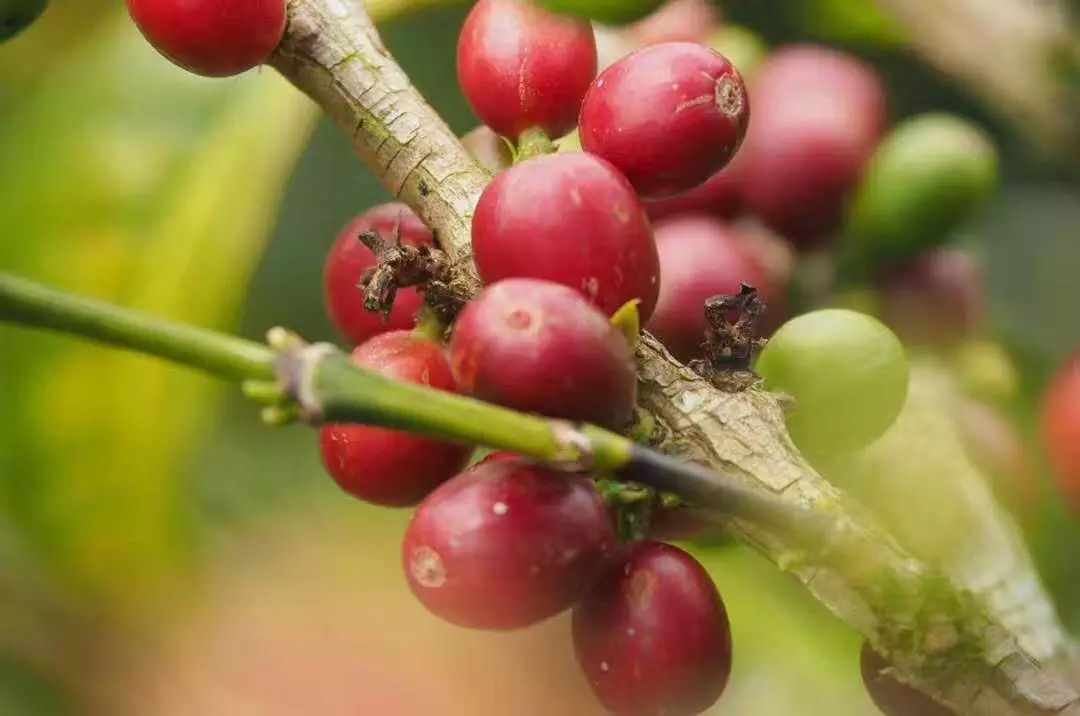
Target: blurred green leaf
17,15
127,179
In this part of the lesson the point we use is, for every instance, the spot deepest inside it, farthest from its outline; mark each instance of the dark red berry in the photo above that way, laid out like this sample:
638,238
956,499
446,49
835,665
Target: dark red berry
215,38
818,115
937,298
652,636
668,116
388,467
540,347
719,196
572,219
506,544
700,257
891,696
523,68
348,261
1061,431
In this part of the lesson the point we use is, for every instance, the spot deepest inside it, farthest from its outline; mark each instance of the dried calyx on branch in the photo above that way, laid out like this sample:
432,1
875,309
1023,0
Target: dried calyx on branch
946,630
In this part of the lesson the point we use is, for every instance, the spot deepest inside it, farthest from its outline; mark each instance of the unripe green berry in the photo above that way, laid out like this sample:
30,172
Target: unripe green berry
847,373
923,182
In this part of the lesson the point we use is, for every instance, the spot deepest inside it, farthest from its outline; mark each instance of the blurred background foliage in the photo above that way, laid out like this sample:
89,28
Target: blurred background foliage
161,552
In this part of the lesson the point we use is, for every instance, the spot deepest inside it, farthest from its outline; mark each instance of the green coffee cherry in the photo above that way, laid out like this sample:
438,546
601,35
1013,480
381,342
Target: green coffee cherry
17,15
847,373
612,12
923,182
742,46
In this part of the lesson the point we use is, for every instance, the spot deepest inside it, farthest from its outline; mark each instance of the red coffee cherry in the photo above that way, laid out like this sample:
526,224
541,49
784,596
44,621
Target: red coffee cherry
719,196
893,697
216,38
522,67
572,219
349,259
1061,431
700,257
818,115
506,544
652,636
540,347
668,116
388,467
937,298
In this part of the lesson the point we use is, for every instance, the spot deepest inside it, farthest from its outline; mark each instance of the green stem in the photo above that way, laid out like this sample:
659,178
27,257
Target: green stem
27,303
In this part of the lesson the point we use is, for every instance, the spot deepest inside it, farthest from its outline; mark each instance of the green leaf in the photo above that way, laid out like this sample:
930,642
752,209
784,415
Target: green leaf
127,179
613,12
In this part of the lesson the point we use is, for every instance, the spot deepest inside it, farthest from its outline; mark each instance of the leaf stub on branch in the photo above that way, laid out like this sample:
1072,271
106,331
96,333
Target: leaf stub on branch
943,639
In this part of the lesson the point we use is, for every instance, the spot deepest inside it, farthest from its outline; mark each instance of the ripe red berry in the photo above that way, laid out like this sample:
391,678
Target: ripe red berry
700,257
216,38
388,467
523,68
891,696
818,115
937,298
506,544
540,347
572,219
349,259
652,636
719,196
1061,431
668,116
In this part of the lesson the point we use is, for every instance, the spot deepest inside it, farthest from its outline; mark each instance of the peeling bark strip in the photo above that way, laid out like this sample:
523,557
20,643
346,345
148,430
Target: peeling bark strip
942,637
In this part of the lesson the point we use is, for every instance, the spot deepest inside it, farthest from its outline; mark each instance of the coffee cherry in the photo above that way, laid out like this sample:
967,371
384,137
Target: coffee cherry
652,636
506,544
818,114
668,116
719,196
572,219
847,373
700,257
927,177
891,696
540,347
675,21
937,298
388,467
349,260
216,38
524,68
1061,431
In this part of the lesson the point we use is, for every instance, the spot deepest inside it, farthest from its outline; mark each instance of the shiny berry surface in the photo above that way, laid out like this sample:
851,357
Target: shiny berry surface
818,116
506,544
652,636
572,219
668,116
700,257
1061,431
216,38
540,347
388,467
523,68
349,260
